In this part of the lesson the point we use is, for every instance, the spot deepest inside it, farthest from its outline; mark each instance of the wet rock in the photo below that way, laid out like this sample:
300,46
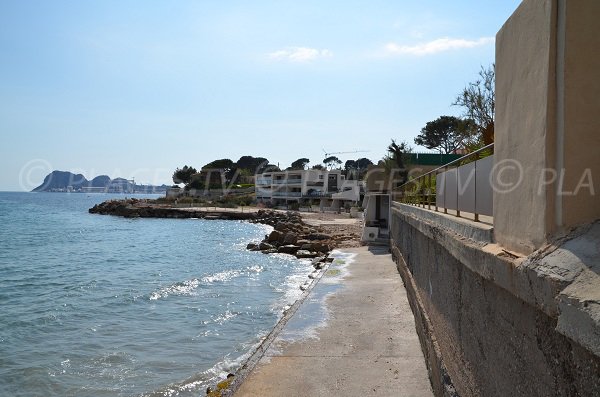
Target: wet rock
288,249
270,251
252,246
265,246
302,254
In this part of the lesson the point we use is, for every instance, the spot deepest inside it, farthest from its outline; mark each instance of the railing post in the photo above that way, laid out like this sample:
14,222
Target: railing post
429,192
475,183
445,198
457,195
435,176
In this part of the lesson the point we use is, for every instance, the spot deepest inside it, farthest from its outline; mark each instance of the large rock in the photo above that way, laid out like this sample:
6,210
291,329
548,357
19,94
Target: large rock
306,254
307,247
281,227
321,247
265,246
288,249
290,238
274,236
318,236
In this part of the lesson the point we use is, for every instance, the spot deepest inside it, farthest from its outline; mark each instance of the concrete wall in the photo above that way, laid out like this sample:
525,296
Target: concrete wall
581,111
547,125
525,125
488,322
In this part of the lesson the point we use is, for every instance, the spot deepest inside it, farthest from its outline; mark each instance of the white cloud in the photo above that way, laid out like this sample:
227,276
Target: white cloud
435,46
299,54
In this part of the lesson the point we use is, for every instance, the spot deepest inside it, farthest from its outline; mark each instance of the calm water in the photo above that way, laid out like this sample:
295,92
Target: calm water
96,305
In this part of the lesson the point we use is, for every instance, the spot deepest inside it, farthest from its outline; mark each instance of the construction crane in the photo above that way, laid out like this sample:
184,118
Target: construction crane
327,154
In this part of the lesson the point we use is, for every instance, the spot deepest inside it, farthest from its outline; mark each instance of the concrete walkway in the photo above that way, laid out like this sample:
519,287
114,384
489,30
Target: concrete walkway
366,346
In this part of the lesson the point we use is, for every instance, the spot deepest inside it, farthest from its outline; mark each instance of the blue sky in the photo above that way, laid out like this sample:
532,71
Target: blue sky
138,88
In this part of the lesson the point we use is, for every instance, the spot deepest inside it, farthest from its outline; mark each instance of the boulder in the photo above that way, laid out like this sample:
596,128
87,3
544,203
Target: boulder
270,251
252,246
321,247
265,246
288,249
274,236
290,238
281,227
318,236
307,247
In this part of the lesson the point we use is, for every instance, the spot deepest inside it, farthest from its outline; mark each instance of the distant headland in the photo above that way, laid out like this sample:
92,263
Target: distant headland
64,181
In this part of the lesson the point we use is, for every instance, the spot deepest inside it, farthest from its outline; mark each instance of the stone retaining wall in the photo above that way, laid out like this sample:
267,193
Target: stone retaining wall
488,321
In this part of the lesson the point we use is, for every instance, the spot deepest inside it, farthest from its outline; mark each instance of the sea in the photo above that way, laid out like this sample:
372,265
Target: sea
95,305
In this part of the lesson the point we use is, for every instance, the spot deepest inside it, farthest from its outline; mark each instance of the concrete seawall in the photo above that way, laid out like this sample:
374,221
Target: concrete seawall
492,323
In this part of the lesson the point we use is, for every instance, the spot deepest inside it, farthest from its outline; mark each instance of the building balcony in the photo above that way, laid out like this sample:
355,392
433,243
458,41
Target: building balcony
287,194
291,181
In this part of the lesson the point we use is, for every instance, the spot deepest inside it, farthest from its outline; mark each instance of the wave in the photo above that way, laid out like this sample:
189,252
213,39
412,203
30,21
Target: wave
189,287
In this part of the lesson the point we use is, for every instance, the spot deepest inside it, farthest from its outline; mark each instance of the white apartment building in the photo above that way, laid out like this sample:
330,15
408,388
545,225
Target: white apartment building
301,186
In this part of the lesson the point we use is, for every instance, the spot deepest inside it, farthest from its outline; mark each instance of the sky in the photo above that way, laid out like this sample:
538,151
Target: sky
136,89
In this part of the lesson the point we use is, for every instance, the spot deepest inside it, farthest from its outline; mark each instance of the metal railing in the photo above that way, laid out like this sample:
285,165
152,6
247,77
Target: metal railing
442,187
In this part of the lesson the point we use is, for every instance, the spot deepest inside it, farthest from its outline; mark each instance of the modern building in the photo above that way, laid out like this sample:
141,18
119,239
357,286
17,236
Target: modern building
329,188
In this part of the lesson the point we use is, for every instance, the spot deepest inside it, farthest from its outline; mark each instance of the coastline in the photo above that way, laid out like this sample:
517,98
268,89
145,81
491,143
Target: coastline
303,234
324,231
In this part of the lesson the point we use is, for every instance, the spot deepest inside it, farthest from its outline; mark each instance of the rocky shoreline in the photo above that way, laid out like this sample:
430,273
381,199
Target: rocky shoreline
291,235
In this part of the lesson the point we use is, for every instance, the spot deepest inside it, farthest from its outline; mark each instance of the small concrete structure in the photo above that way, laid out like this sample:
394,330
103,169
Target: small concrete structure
377,218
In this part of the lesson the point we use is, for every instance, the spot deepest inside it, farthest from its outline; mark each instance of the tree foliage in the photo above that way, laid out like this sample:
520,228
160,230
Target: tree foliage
332,161
319,167
354,169
363,163
300,164
395,161
184,175
222,164
397,153
478,101
445,134
251,164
